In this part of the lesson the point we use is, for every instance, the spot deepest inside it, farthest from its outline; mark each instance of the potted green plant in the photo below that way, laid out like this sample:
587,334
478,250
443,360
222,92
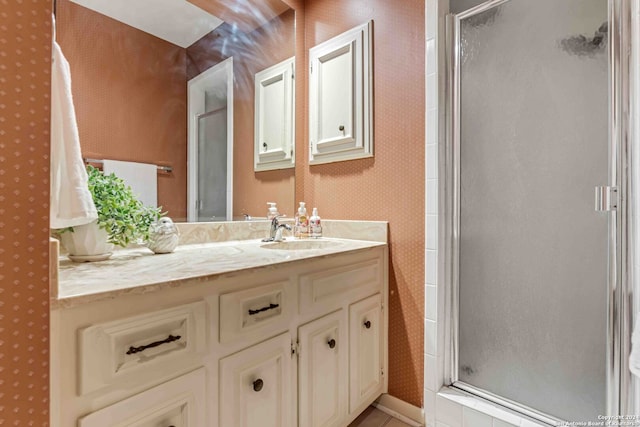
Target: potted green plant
122,219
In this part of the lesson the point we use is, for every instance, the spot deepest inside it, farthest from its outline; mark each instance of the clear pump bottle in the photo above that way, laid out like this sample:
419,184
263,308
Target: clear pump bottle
301,229
315,227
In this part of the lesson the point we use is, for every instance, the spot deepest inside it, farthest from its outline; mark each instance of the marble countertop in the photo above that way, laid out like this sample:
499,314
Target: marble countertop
140,271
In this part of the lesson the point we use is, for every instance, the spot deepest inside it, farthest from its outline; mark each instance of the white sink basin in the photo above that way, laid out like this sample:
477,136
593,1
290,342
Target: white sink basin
298,245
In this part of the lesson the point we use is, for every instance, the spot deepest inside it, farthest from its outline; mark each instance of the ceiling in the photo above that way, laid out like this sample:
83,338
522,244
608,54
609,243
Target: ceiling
176,21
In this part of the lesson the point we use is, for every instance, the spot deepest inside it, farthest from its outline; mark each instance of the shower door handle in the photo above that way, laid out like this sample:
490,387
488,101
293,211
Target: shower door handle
606,198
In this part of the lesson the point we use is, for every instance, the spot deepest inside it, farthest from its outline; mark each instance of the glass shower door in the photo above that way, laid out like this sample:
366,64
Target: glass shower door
532,253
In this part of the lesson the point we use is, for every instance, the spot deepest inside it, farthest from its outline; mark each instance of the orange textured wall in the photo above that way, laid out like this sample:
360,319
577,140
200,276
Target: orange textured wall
252,52
130,96
25,65
391,186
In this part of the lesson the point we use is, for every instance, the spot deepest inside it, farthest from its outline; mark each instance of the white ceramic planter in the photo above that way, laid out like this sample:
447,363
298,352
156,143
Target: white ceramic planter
87,243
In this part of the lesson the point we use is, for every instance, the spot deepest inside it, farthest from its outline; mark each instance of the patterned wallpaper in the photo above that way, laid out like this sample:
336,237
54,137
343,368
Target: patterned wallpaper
388,187
25,64
391,186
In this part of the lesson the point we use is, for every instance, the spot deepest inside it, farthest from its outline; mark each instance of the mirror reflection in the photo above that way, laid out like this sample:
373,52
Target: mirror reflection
171,83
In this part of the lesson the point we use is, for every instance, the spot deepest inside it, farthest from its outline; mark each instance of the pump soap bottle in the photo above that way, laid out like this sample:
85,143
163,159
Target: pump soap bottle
302,222
272,212
315,228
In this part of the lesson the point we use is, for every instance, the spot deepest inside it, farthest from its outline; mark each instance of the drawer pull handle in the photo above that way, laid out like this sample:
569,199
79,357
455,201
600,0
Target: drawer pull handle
332,343
260,310
170,338
258,384
367,324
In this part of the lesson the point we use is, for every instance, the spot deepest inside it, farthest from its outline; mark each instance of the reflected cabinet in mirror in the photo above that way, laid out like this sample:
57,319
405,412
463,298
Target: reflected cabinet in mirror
173,83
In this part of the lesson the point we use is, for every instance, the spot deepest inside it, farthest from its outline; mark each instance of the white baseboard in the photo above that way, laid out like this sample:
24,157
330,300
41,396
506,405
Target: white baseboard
405,412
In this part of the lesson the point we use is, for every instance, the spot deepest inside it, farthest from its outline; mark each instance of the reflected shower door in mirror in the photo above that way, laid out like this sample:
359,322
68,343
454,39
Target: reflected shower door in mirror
131,64
210,179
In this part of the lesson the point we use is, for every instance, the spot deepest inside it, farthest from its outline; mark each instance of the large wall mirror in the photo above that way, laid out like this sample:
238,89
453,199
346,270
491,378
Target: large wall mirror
139,68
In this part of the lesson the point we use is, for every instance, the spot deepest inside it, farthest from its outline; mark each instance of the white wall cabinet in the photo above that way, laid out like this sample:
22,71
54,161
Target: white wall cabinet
302,345
340,97
274,132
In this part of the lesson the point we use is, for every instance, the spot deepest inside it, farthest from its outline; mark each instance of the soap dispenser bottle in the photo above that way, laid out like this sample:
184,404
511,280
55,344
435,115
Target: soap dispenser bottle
301,229
272,212
315,228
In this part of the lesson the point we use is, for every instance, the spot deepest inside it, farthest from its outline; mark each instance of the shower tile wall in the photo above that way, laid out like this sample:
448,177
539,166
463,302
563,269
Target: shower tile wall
432,379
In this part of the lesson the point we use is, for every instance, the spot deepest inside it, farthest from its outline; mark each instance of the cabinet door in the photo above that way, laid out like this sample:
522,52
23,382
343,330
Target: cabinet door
340,97
366,352
322,373
274,117
255,385
178,403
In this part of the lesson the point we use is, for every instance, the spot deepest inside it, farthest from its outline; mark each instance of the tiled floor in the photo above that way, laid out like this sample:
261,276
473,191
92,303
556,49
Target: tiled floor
373,417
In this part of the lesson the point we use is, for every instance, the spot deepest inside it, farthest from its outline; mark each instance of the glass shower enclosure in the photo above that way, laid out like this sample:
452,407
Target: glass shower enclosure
533,128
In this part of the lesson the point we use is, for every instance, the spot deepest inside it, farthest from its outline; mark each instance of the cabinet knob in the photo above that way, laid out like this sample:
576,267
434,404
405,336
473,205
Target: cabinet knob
258,384
367,324
341,128
264,145
332,343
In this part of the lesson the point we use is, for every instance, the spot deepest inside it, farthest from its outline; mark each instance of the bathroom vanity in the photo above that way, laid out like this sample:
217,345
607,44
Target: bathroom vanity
226,333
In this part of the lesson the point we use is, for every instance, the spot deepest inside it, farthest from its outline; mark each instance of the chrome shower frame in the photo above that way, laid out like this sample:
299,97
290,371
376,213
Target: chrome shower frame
621,241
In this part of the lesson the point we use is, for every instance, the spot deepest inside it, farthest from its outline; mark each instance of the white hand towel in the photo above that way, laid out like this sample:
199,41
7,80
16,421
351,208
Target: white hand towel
141,177
634,358
71,201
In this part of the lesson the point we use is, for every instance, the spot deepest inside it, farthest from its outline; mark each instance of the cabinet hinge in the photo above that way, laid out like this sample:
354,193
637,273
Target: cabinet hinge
382,372
295,348
311,68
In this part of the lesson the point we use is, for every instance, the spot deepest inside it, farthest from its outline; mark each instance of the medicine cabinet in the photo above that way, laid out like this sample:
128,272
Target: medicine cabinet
274,146
340,97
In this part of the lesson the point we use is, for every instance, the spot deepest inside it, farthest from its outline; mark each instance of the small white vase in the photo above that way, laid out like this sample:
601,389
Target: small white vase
87,242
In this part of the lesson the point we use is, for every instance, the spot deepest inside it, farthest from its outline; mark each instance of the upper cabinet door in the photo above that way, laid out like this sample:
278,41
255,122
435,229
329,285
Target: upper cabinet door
340,97
274,117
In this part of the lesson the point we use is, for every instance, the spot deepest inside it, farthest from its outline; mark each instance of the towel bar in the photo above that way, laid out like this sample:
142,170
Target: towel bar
167,169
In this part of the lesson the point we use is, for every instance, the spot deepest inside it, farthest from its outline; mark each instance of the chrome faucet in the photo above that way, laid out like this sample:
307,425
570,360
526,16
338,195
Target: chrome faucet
275,231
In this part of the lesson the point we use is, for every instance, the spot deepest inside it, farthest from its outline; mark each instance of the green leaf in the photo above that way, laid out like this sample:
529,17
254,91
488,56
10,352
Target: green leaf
120,213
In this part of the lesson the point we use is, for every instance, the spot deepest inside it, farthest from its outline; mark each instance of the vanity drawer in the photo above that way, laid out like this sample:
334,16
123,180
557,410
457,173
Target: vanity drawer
250,314
142,347
180,402
327,290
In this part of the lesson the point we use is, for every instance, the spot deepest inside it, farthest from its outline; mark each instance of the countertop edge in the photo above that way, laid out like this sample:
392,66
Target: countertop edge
57,302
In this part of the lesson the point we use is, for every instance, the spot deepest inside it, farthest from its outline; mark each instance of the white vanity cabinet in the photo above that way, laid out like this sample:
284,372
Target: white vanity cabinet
300,344
323,350
256,387
366,355
178,403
